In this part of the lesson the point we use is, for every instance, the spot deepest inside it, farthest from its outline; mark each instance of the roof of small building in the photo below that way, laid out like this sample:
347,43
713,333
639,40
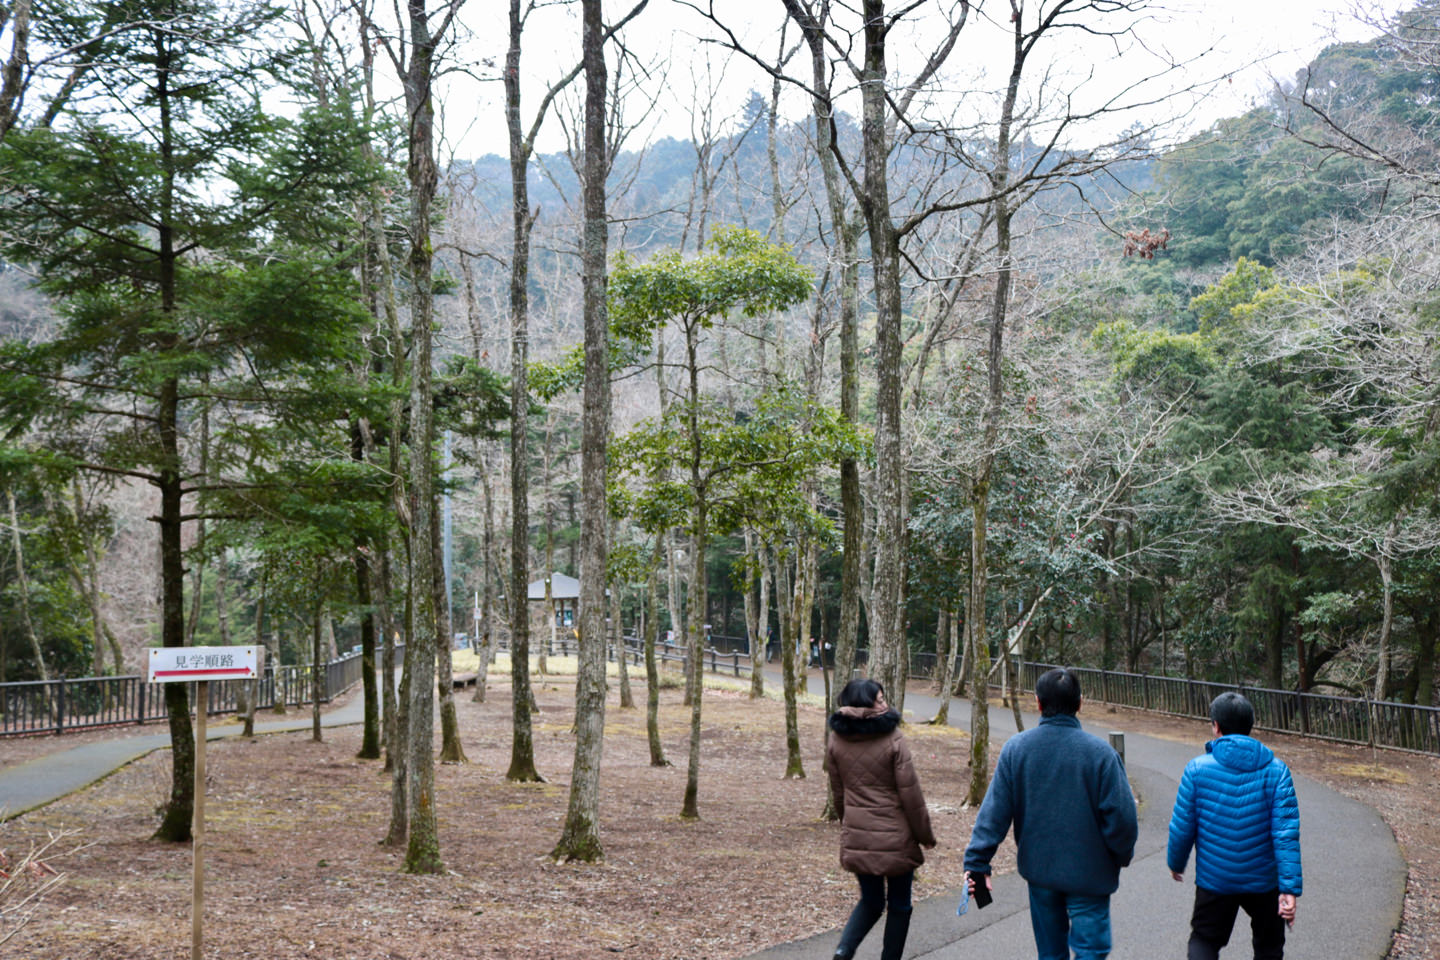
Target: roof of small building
561,588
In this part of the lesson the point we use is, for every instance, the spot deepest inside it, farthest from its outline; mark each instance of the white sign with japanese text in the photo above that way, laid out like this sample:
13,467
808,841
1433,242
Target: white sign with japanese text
178,664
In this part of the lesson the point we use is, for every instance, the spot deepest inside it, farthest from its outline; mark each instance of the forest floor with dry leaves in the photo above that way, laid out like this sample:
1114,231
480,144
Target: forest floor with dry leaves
293,867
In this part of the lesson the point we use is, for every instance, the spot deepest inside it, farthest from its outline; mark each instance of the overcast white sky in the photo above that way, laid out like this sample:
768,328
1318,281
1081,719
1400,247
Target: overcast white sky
1247,41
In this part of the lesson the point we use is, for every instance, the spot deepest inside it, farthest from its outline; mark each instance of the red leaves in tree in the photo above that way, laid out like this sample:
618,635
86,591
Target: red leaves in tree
1144,243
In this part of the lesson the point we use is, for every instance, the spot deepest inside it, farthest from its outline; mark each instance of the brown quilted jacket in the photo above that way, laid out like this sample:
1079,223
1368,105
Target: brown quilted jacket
883,820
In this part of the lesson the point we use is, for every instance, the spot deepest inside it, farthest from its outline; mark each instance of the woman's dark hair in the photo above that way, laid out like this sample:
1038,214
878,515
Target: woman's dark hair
1232,713
860,693
1058,691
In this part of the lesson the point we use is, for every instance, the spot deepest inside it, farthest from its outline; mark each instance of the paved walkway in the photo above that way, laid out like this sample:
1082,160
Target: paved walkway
37,782
1354,874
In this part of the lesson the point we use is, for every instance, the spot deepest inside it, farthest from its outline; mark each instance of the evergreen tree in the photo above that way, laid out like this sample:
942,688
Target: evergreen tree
170,218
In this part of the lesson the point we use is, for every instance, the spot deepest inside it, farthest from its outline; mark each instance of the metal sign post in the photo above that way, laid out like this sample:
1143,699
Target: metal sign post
200,665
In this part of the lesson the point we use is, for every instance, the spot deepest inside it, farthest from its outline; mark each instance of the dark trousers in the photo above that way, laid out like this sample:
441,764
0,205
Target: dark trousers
1214,918
876,894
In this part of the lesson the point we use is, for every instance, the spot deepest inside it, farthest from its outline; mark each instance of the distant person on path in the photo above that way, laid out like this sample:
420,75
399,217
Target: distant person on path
1236,806
883,820
1066,793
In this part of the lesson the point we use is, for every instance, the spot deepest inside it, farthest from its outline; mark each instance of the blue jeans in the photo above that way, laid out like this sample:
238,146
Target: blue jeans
1069,921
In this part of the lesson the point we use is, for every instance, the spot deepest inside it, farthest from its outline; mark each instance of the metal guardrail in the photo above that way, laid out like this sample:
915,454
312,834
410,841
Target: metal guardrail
1381,723
55,706
730,660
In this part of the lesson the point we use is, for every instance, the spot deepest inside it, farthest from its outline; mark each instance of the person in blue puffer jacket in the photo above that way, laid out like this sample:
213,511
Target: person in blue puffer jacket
1236,806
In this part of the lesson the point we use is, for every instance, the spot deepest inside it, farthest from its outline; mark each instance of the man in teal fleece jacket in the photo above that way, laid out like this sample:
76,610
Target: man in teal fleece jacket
1236,806
1066,793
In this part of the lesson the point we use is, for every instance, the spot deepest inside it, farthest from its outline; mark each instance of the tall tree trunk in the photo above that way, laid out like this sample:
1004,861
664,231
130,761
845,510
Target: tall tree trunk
382,302
627,697
798,649
549,551
87,582
197,572
652,670
945,688
1387,586
757,611
780,574
423,851
889,448
845,231
24,583
695,615
175,823
699,583
317,670
329,648
243,688
450,749
999,305
1275,647
370,736
522,744
581,837
673,586
12,74
222,615
978,653
1429,635
269,660
486,626
398,760
392,733
942,648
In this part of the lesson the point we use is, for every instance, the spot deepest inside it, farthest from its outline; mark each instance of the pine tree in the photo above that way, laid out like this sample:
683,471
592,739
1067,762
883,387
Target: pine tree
179,230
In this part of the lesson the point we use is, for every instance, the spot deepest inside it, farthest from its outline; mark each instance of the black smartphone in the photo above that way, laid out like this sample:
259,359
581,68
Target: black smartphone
982,892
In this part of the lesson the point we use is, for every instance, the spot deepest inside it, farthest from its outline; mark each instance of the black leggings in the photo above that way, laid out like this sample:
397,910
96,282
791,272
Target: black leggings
876,893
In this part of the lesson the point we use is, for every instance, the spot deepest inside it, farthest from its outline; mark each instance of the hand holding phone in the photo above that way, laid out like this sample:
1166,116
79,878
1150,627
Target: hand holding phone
980,884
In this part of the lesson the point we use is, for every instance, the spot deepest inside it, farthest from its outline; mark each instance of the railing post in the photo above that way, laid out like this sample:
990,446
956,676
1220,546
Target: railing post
140,714
60,707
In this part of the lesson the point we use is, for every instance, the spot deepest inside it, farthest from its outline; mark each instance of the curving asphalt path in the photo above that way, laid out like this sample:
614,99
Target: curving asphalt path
1354,874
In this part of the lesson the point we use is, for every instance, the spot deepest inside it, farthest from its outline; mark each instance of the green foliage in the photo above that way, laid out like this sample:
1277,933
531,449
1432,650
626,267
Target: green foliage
53,547
470,399
752,465
745,275
1169,363
199,255
1233,299
185,236
1249,189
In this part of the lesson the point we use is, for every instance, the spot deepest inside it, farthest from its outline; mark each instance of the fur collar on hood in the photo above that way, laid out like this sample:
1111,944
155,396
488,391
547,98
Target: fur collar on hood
857,722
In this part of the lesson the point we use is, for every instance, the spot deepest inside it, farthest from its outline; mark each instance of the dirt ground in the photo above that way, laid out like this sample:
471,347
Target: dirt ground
293,867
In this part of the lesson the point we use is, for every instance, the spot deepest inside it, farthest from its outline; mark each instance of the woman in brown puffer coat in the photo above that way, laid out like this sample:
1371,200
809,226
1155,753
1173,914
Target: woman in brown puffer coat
883,820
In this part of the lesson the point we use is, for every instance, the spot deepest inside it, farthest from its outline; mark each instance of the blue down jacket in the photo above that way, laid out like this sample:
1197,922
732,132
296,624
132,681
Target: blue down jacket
1236,806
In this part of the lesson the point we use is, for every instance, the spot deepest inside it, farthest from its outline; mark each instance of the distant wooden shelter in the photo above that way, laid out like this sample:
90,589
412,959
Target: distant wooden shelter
564,597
